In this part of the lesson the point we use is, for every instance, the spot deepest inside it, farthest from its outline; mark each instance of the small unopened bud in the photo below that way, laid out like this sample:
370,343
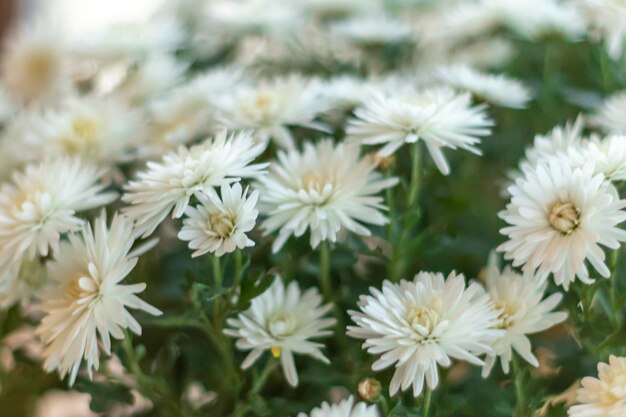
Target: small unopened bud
369,389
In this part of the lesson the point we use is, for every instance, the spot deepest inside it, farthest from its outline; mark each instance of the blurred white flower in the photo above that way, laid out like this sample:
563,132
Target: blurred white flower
35,66
255,16
186,112
528,18
270,106
132,40
282,320
324,189
86,298
169,185
608,18
522,312
495,89
374,30
155,75
561,141
103,131
557,219
611,116
608,156
219,225
422,324
438,117
57,403
604,396
40,204
345,408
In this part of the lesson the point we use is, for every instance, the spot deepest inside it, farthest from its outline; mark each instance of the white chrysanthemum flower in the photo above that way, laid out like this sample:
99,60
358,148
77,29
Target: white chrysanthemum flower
87,298
608,156
345,91
184,114
169,185
345,408
40,204
219,225
604,396
158,73
438,117
282,320
528,18
611,116
372,30
101,130
271,105
324,189
164,34
608,17
496,89
255,16
523,311
558,217
558,142
35,65
422,324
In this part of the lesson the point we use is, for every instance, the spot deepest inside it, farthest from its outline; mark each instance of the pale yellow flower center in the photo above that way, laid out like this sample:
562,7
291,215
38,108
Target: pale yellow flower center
507,311
82,285
83,135
222,223
281,324
422,317
564,217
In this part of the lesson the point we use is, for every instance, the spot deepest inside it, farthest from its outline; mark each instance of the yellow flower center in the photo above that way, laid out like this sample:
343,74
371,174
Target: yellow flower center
564,217
83,135
423,319
223,224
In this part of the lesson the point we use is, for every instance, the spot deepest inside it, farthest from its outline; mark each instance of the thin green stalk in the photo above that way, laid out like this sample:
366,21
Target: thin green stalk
262,378
324,276
614,291
518,380
426,404
217,271
238,266
415,176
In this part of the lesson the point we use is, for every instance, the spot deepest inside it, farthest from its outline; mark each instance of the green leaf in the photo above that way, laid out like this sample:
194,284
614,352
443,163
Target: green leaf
103,396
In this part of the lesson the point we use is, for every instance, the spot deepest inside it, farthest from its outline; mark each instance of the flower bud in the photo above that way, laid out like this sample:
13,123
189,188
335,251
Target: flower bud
369,389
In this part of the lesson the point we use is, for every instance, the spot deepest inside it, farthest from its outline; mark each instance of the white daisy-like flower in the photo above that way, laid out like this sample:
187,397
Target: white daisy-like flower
158,73
41,203
324,189
604,396
608,156
557,219
184,113
219,225
523,311
611,116
169,185
608,18
496,89
282,320
87,299
439,117
374,30
345,408
422,324
35,65
101,130
560,141
270,106
531,19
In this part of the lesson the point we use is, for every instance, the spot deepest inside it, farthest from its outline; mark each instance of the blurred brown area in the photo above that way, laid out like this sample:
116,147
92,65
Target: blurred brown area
8,14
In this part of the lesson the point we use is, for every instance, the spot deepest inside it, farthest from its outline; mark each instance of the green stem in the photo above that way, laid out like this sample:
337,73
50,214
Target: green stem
217,271
325,271
615,305
238,266
415,176
262,379
518,380
426,404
